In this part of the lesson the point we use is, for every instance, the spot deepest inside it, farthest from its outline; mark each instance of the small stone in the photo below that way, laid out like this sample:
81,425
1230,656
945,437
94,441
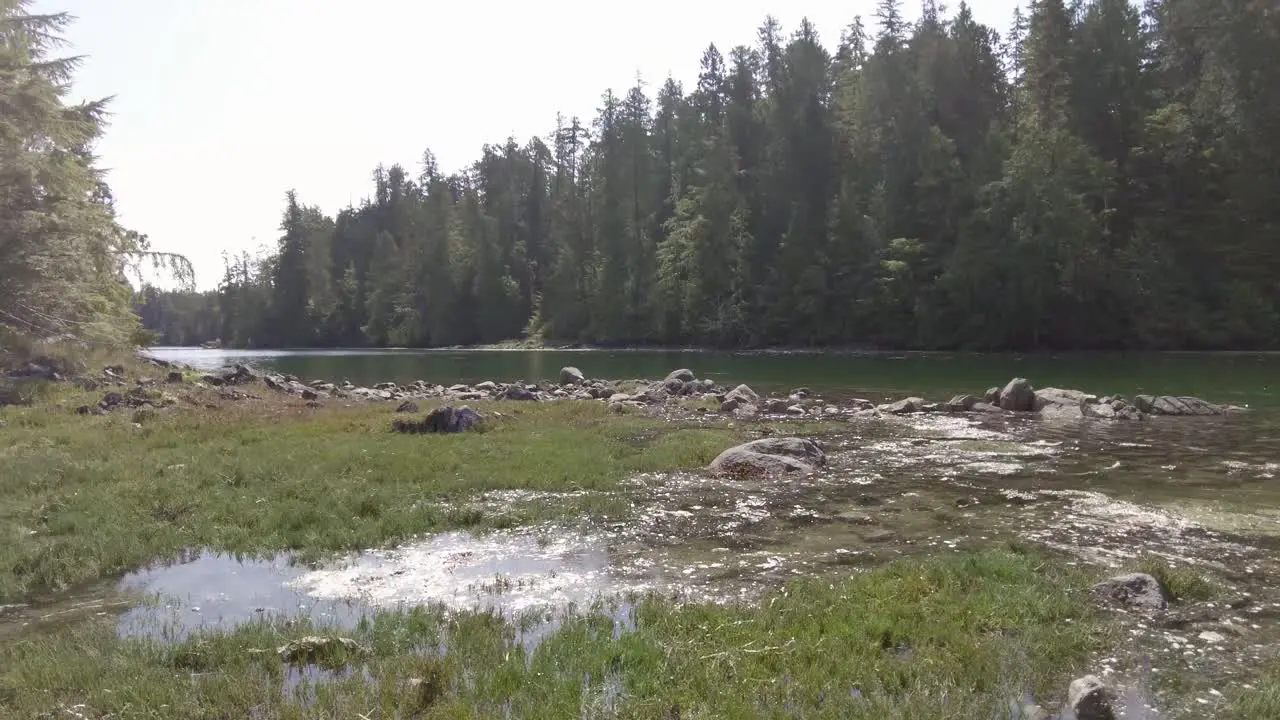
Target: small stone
408,406
1210,636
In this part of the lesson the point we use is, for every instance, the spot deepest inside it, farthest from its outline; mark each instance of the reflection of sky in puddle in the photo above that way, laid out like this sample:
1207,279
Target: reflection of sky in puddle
506,572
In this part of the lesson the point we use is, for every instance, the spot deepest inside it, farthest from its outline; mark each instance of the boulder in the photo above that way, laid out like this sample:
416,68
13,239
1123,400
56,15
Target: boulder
683,375
1090,699
992,396
963,403
408,406
571,376
1176,406
516,391
487,386
770,455
904,407
1134,590
1018,396
730,405
442,420
677,387
744,395
1057,396
775,405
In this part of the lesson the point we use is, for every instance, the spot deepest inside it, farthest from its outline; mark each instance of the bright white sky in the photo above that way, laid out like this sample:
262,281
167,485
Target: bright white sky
223,105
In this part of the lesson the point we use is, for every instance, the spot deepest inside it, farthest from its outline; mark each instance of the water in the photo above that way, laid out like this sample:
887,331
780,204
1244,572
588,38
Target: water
1240,378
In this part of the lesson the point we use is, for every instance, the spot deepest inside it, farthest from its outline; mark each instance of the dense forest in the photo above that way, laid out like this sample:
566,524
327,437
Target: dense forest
1104,175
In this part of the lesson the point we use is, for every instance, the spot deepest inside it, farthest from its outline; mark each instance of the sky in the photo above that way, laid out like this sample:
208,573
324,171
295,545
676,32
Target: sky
221,106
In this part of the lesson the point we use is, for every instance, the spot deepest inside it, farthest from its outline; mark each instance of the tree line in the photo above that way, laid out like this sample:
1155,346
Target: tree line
1103,176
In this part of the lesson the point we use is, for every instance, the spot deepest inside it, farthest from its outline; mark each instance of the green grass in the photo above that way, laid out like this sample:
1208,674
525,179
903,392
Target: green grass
946,637
1260,703
86,497
1184,584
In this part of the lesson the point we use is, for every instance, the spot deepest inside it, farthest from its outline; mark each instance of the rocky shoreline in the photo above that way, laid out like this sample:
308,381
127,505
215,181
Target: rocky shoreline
680,388
1016,396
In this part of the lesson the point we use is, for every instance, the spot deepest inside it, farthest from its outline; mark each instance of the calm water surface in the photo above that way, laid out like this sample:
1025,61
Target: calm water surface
1241,378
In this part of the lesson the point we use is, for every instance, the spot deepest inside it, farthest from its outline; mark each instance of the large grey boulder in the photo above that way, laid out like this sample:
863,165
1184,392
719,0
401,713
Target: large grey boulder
571,376
1018,396
770,455
1134,590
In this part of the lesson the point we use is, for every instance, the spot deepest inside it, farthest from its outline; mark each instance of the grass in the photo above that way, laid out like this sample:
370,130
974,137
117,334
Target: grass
1262,702
946,637
1183,583
87,497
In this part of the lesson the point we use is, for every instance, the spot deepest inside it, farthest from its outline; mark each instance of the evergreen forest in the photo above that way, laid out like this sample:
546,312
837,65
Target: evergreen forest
1103,175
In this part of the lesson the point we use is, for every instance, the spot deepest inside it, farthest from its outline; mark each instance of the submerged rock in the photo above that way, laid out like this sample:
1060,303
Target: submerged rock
321,650
1134,590
1177,406
770,455
1090,699
442,420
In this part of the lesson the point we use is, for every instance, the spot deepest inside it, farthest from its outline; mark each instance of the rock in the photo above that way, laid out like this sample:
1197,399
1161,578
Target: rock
174,377
308,394
408,406
744,395
111,400
442,420
1090,699
1210,636
142,416
517,391
1176,406
320,650
730,405
571,376
1018,396
770,455
801,393
677,387
962,403
213,380
747,410
992,396
1134,590
1065,398
619,397
146,381
775,405
796,410
904,407
487,386
683,375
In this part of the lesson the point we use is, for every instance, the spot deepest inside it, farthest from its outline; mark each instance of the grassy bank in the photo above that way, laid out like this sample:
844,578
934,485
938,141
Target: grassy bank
86,497
954,637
